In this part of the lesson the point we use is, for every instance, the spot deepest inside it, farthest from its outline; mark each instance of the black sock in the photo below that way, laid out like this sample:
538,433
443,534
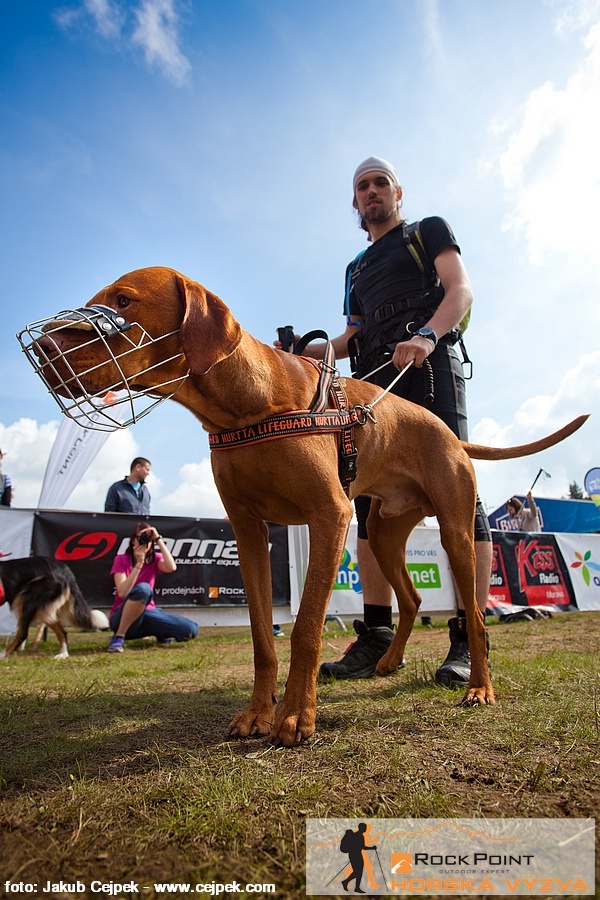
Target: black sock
377,616
461,614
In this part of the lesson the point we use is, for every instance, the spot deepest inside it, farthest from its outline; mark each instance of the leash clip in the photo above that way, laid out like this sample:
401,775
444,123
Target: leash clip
364,414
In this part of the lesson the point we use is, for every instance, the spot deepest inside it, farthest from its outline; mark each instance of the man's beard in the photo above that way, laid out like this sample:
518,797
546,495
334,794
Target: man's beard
377,214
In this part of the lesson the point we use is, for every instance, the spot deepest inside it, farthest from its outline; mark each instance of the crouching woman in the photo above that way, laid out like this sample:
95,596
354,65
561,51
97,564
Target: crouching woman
134,613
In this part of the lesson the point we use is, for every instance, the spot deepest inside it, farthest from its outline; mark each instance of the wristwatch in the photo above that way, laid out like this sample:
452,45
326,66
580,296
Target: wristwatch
428,333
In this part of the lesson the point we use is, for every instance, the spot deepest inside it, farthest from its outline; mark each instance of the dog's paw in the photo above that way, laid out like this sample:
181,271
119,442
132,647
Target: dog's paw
389,663
292,727
476,696
252,723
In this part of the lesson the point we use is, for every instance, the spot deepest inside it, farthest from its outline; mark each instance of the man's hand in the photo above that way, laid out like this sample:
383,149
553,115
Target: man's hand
414,351
278,345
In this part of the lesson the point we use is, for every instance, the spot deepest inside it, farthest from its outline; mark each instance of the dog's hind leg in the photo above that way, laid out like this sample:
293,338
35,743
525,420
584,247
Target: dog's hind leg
387,539
253,548
61,636
457,540
39,634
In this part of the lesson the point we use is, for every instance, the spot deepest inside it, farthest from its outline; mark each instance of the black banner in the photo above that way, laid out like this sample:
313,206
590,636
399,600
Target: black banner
205,550
528,570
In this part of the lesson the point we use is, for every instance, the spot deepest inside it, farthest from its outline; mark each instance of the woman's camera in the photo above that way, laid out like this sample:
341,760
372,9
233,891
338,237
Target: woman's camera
144,537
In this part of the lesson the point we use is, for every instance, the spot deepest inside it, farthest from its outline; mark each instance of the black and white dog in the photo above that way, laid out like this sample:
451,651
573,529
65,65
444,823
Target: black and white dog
42,591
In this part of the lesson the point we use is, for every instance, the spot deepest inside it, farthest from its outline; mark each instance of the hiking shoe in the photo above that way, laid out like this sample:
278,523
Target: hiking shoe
277,632
455,671
361,657
117,645
165,642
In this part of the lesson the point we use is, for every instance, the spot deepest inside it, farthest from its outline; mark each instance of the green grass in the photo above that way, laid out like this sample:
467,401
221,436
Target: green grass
118,767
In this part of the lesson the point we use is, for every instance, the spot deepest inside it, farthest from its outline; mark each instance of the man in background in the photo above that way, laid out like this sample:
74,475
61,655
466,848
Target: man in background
131,495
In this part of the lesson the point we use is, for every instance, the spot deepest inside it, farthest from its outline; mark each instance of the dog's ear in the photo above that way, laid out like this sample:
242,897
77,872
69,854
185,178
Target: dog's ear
209,333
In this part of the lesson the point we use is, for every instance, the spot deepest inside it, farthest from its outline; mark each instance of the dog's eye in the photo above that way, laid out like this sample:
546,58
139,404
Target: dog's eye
123,301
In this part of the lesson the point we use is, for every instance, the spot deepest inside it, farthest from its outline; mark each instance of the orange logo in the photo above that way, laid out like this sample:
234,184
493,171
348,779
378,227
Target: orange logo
213,593
401,863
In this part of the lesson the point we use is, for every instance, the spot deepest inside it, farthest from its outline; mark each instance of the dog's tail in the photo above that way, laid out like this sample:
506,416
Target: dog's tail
82,615
100,620
478,451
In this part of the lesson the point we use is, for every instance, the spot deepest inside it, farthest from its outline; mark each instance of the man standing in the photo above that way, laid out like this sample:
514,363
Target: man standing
397,312
131,495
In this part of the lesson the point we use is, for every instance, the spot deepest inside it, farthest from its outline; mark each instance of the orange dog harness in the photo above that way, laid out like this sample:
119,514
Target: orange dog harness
322,418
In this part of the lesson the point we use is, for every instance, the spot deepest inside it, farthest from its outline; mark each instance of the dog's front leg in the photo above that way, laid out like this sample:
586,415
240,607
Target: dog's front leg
295,719
253,549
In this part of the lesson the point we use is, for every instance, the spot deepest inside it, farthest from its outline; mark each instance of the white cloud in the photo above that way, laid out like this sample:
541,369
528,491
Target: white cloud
577,393
106,17
196,494
550,166
156,32
27,445
576,14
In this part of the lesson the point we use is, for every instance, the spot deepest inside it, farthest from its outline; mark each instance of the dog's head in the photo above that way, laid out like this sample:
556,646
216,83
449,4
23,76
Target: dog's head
132,346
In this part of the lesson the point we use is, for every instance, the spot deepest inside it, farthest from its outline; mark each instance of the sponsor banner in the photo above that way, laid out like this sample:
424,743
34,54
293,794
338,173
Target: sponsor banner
442,857
581,553
528,570
556,516
591,483
205,550
427,565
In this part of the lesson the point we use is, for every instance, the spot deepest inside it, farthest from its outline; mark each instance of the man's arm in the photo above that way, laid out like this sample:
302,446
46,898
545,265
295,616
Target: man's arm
533,508
111,502
456,303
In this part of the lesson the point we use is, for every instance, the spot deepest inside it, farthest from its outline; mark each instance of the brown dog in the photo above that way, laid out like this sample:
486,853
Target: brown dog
184,338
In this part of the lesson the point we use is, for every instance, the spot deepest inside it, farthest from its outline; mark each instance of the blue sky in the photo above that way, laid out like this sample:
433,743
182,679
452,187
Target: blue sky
220,139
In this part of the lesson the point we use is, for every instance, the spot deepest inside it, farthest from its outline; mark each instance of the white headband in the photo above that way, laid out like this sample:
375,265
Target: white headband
375,164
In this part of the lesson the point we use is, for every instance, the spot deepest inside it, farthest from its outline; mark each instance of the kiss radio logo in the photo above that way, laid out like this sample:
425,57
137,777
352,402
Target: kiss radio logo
499,583
540,575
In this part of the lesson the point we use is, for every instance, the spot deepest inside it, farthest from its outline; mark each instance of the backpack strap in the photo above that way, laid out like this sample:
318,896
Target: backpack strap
351,272
416,248
411,235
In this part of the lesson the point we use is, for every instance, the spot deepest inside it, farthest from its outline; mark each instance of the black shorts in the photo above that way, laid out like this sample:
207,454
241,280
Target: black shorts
449,404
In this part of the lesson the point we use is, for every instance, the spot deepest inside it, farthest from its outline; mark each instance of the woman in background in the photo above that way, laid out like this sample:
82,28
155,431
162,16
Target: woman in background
134,613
